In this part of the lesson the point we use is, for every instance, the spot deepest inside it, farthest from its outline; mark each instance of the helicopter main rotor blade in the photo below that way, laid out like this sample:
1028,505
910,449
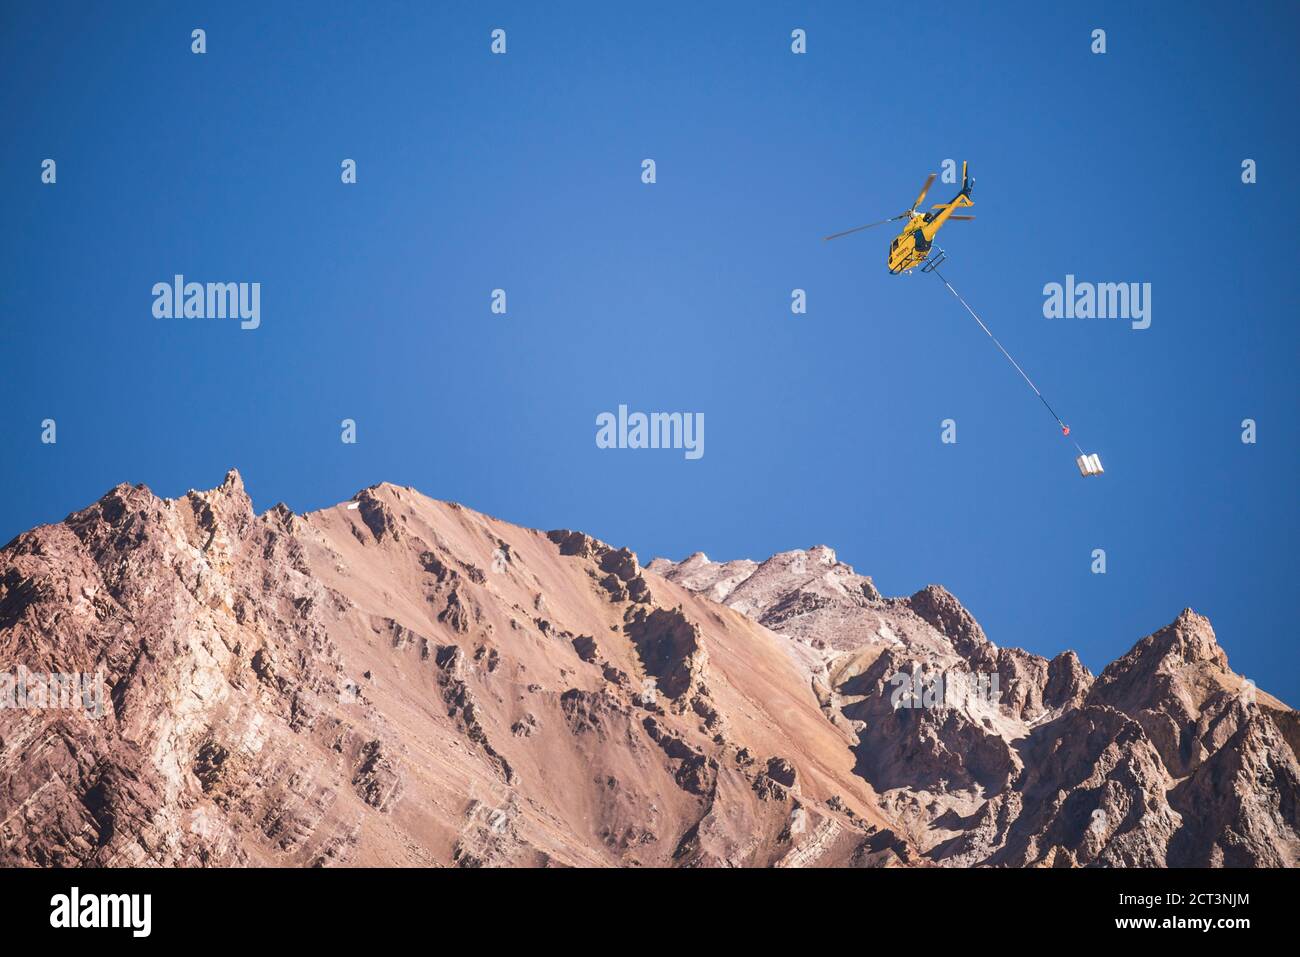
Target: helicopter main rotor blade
858,229
924,189
960,217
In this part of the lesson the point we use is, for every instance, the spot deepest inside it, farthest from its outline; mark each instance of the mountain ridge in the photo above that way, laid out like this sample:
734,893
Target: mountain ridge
396,680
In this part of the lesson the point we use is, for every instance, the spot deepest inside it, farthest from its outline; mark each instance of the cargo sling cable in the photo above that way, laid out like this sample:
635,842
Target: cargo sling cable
1088,465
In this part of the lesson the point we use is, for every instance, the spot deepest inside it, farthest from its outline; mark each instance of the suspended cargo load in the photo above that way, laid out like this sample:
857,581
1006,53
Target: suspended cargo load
1089,464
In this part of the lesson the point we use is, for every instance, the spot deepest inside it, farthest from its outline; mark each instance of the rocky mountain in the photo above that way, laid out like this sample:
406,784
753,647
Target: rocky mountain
994,756
401,681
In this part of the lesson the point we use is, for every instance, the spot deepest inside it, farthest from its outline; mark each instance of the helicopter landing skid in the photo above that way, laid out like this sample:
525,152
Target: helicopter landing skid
932,262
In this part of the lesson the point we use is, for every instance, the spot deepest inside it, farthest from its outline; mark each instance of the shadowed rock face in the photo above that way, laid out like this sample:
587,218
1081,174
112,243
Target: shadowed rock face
1168,758
401,681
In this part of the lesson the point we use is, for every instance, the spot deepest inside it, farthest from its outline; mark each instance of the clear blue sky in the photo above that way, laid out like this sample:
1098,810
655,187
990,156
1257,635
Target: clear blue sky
523,172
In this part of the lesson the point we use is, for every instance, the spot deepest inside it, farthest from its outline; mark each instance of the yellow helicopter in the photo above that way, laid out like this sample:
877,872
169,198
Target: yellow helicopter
911,247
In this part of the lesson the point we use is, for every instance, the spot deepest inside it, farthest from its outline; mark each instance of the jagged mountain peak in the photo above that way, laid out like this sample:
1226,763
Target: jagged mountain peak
945,613
1180,662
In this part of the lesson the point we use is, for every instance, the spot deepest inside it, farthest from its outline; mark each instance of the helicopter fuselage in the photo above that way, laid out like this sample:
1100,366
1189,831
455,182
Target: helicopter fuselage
911,247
